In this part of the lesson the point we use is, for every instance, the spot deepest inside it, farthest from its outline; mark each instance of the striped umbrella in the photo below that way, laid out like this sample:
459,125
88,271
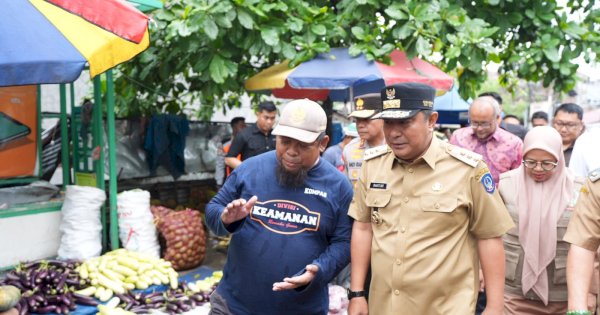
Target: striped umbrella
339,76
52,41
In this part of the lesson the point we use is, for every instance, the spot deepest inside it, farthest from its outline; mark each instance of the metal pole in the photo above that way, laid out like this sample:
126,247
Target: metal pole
112,159
38,134
64,143
98,144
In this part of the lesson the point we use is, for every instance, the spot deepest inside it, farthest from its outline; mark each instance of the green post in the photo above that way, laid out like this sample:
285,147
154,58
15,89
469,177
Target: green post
112,159
64,143
75,143
98,141
38,135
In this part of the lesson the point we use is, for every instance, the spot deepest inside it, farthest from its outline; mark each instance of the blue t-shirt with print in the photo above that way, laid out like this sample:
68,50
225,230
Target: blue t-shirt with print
287,229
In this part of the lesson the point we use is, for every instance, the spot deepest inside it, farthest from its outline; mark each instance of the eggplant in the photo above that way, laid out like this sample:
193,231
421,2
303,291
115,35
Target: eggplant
24,308
46,309
61,281
172,307
12,276
84,300
140,310
65,300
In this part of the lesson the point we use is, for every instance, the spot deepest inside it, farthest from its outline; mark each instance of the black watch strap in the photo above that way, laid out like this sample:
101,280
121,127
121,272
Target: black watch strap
353,294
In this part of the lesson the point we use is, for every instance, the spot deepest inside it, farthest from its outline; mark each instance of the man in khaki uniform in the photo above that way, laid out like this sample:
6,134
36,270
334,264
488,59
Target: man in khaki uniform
426,212
370,133
584,235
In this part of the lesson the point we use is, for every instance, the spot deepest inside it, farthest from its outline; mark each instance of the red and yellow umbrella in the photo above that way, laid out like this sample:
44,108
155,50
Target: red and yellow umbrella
338,76
52,41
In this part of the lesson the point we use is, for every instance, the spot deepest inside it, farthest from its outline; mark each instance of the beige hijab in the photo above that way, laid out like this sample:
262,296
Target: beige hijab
540,207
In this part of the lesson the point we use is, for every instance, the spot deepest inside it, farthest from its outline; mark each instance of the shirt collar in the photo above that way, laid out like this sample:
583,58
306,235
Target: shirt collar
494,136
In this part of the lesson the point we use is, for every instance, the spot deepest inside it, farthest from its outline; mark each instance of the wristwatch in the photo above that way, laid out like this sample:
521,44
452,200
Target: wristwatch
353,294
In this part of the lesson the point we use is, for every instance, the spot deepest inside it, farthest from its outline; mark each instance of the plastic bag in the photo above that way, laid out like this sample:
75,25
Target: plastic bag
80,224
136,223
338,300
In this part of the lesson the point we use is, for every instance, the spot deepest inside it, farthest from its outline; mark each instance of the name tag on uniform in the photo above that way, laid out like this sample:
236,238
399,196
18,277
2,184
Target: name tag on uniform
378,185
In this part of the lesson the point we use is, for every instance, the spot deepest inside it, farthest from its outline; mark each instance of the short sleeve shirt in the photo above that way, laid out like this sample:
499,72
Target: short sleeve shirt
584,227
502,151
353,158
250,142
426,217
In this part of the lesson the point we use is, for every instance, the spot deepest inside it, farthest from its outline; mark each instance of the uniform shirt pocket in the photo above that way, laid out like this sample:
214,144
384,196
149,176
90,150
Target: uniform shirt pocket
560,269
256,143
512,262
512,252
377,199
437,203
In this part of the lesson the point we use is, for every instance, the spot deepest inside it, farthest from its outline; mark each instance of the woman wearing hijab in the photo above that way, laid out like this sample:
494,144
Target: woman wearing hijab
540,196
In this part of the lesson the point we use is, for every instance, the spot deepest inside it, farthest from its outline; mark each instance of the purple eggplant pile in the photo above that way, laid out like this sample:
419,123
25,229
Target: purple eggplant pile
172,301
47,286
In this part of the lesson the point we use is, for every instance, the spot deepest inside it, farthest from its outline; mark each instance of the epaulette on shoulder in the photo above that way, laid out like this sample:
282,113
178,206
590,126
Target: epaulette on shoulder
595,175
375,152
464,155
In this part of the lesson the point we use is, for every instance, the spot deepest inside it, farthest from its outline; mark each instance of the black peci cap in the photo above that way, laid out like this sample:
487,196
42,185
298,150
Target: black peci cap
404,100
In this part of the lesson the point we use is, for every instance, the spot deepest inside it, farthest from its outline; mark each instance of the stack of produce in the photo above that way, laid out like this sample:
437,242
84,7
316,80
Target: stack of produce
119,271
184,236
47,286
184,298
50,286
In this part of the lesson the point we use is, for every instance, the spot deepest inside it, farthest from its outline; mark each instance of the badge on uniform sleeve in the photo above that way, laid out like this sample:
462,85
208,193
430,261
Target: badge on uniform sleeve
488,183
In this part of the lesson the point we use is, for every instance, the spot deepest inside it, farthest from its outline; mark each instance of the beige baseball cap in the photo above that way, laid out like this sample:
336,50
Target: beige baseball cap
303,120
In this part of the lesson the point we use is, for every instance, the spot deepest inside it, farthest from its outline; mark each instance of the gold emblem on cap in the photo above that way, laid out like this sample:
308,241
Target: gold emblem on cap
359,104
387,104
390,93
428,104
298,116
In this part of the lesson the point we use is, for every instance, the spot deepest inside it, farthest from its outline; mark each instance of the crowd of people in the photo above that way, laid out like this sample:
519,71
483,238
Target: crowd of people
499,219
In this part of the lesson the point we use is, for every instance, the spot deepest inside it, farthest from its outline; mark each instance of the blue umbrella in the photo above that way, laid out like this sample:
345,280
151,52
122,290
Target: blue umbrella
452,108
339,76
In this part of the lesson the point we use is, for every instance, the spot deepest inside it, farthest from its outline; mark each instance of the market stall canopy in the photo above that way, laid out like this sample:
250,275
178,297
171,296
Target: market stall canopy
339,76
452,108
51,41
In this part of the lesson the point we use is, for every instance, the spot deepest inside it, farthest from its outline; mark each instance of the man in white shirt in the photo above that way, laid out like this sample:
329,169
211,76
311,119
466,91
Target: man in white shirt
586,153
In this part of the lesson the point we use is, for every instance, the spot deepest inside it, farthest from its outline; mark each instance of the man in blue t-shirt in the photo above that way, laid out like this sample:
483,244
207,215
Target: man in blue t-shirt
287,210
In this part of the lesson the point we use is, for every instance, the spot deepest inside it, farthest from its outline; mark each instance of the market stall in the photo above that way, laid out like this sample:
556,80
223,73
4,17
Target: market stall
118,282
52,42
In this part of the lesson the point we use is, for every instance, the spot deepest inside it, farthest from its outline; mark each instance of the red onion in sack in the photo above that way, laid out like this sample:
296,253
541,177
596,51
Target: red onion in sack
184,234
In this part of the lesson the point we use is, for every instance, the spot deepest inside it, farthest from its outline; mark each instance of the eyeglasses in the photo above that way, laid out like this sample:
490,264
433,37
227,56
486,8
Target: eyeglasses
484,125
560,124
545,165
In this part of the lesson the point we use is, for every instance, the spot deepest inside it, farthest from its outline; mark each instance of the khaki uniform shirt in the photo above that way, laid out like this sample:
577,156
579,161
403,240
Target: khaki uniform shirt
353,157
584,227
557,269
426,218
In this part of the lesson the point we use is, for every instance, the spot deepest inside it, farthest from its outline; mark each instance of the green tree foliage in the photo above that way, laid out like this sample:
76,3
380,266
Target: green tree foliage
202,51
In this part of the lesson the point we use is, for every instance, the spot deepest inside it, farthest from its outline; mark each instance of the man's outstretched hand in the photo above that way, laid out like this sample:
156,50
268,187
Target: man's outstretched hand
297,281
237,210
